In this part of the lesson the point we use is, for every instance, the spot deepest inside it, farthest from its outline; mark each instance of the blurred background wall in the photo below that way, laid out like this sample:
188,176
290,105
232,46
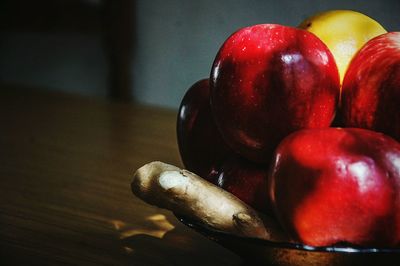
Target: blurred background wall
151,51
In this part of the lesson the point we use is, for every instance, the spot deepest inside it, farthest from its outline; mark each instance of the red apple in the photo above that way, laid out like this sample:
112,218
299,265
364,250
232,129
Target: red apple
200,144
338,185
268,81
246,180
371,87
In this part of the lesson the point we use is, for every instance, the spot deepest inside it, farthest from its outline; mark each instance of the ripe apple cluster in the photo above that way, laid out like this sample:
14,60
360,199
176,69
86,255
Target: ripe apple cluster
260,127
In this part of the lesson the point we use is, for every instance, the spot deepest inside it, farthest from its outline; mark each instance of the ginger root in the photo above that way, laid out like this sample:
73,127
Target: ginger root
191,196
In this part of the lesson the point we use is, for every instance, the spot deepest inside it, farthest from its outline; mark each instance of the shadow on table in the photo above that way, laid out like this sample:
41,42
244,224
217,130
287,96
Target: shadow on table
178,245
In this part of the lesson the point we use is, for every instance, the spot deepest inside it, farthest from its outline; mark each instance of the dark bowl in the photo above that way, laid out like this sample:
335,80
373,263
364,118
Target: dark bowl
264,252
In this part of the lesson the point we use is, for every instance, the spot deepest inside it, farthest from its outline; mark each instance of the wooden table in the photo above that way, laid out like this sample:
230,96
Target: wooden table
65,171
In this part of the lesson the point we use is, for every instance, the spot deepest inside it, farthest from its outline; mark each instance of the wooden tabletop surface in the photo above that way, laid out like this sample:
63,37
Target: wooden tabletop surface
65,171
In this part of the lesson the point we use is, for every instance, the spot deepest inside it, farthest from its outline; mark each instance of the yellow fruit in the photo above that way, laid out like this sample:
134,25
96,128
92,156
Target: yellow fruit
344,32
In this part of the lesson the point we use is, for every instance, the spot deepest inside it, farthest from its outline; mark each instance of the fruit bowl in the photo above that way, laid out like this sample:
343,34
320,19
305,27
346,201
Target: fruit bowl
264,252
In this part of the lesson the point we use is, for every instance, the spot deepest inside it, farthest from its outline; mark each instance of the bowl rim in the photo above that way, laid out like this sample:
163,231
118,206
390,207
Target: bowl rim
215,234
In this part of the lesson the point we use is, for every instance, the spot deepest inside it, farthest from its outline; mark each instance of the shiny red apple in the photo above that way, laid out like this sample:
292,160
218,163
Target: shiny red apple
246,180
371,87
338,185
200,144
270,80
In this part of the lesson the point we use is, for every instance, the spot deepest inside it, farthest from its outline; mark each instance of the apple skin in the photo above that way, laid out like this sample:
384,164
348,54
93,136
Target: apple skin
267,81
337,185
246,180
371,87
201,146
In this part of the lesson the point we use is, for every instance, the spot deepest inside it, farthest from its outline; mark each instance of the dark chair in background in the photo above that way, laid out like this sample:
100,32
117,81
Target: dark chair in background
113,19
